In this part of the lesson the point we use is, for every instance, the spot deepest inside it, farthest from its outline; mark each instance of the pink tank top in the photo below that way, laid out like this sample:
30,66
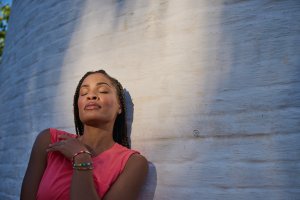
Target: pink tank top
56,181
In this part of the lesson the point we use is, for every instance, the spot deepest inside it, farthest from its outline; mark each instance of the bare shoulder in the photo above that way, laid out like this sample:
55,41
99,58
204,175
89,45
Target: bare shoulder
41,143
138,162
44,133
138,158
43,138
36,165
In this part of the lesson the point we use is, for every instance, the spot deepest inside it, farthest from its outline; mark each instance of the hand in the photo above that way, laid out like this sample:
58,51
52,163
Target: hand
67,146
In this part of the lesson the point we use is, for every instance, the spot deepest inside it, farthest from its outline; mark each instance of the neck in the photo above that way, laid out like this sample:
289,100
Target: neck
97,139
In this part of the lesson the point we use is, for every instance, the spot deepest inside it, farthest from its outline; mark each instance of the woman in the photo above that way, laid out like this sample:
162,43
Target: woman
95,164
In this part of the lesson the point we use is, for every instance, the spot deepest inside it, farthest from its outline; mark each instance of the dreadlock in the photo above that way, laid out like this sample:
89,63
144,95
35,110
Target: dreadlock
120,126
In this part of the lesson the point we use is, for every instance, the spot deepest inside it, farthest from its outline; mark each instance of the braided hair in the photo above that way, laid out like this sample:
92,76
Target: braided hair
120,126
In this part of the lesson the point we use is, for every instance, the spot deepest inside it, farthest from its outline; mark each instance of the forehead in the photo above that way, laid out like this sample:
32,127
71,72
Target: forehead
96,78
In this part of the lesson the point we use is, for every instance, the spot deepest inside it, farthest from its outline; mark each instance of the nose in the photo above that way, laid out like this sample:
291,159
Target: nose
92,96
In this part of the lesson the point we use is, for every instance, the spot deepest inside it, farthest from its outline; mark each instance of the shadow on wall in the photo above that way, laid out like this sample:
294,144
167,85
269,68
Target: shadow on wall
149,188
35,50
129,106
256,103
259,47
37,40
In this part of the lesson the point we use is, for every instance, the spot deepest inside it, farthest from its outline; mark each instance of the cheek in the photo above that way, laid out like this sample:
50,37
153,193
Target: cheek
80,104
110,102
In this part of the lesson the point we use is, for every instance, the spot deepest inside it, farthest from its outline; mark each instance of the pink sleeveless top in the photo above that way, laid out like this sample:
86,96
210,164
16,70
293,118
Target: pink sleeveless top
56,181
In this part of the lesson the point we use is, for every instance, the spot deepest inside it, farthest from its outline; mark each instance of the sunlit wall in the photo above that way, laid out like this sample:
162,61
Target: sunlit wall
215,87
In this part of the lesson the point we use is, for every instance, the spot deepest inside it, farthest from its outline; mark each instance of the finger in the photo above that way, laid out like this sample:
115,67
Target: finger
55,146
60,143
52,148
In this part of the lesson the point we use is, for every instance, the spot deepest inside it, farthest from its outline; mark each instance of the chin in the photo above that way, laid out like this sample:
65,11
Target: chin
95,122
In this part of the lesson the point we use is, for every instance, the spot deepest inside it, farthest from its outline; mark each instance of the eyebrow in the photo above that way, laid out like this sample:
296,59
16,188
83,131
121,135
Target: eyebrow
100,83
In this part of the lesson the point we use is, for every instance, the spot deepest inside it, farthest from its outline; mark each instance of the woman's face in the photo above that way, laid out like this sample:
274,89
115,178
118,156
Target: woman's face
98,103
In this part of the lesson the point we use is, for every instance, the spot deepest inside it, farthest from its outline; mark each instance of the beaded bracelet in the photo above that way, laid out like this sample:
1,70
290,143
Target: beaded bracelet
80,152
87,164
83,166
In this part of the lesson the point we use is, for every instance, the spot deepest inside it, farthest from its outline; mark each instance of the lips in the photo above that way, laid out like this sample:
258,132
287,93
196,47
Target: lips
92,106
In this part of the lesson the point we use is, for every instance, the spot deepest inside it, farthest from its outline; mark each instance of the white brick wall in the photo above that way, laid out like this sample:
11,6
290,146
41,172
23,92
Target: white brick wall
229,69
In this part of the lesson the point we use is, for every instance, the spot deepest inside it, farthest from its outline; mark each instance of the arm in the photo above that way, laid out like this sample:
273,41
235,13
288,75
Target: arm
36,166
127,186
82,184
130,182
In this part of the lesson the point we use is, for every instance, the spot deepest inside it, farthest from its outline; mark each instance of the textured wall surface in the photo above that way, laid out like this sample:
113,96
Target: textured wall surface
215,86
